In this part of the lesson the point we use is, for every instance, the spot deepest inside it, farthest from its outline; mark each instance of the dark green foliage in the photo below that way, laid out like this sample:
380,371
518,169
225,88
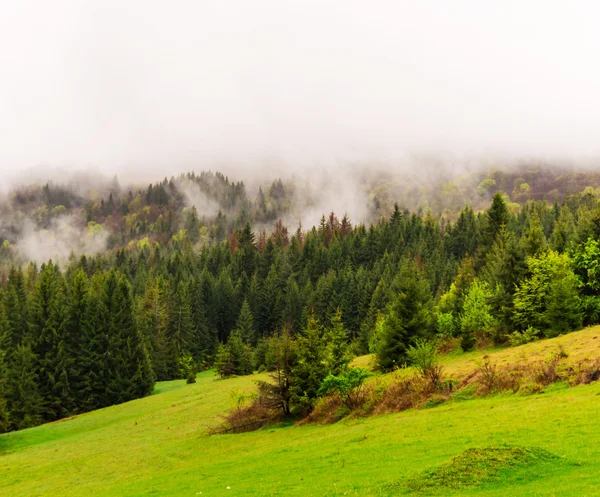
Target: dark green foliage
496,217
409,316
179,283
180,331
310,368
24,402
245,324
336,338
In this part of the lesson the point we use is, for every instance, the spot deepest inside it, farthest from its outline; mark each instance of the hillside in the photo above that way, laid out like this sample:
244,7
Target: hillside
156,445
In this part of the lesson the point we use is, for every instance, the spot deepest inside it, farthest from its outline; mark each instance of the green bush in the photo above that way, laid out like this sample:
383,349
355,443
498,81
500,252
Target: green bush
348,385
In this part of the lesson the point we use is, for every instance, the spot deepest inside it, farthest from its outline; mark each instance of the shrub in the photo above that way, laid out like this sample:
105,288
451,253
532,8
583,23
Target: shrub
186,366
521,338
423,356
191,377
488,372
249,413
348,385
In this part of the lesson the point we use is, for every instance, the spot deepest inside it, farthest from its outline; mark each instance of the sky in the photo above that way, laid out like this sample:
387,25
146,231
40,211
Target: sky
149,86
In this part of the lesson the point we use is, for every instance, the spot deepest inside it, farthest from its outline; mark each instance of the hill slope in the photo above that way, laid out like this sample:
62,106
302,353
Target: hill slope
155,445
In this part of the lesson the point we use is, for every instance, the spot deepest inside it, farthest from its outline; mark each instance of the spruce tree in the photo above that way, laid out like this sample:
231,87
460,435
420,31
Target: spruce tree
497,216
73,336
181,329
310,369
94,363
224,363
153,321
23,398
245,324
202,346
408,317
336,337
132,377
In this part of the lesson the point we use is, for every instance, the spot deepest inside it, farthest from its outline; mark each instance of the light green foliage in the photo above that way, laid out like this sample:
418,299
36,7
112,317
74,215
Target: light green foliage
186,365
347,384
446,325
522,337
476,315
533,240
224,361
376,338
548,300
564,230
422,355
587,265
485,186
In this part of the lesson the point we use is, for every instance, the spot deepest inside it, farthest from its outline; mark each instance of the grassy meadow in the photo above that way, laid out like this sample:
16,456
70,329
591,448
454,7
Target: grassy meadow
157,446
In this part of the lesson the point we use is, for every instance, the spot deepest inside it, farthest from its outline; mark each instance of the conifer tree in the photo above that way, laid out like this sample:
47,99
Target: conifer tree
153,321
132,376
24,401
533,240
95,348
181,328
408,316
337,345
202,347
73,326
245,324
224,363
496,216
310,369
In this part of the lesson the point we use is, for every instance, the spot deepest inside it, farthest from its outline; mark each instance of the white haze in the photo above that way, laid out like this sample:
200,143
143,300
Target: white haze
64,237
194,197
146,89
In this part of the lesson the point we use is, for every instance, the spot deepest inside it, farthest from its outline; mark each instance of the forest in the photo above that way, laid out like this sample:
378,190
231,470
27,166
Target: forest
175,292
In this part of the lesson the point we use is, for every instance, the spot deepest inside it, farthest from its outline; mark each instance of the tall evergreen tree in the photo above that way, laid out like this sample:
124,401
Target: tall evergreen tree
245,324
181,328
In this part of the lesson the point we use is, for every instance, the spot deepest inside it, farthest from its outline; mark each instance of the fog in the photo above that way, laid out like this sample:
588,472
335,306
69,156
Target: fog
145,87
63,238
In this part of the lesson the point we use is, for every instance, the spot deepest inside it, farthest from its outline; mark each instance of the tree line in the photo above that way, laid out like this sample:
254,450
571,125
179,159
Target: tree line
103,329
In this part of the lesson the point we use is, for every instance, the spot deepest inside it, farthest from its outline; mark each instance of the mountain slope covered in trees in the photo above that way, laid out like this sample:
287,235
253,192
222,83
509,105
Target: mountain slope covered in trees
101,329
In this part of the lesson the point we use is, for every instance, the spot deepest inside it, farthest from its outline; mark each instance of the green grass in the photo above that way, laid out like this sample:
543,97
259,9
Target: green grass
156,447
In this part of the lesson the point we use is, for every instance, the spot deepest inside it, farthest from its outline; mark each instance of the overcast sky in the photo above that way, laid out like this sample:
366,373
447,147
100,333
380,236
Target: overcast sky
120,85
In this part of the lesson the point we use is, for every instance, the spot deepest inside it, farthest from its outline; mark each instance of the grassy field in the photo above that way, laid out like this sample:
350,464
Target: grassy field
156,446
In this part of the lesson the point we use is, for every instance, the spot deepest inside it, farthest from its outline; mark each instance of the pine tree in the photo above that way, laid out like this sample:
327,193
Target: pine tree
47,343
337,344
132,376
310,370
496,216
95,349
202,347
74,315
224,363
245,324
533,240
181,328
241,354
24,401
409,316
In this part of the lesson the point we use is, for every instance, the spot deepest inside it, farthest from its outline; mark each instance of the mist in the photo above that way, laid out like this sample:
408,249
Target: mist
141,88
